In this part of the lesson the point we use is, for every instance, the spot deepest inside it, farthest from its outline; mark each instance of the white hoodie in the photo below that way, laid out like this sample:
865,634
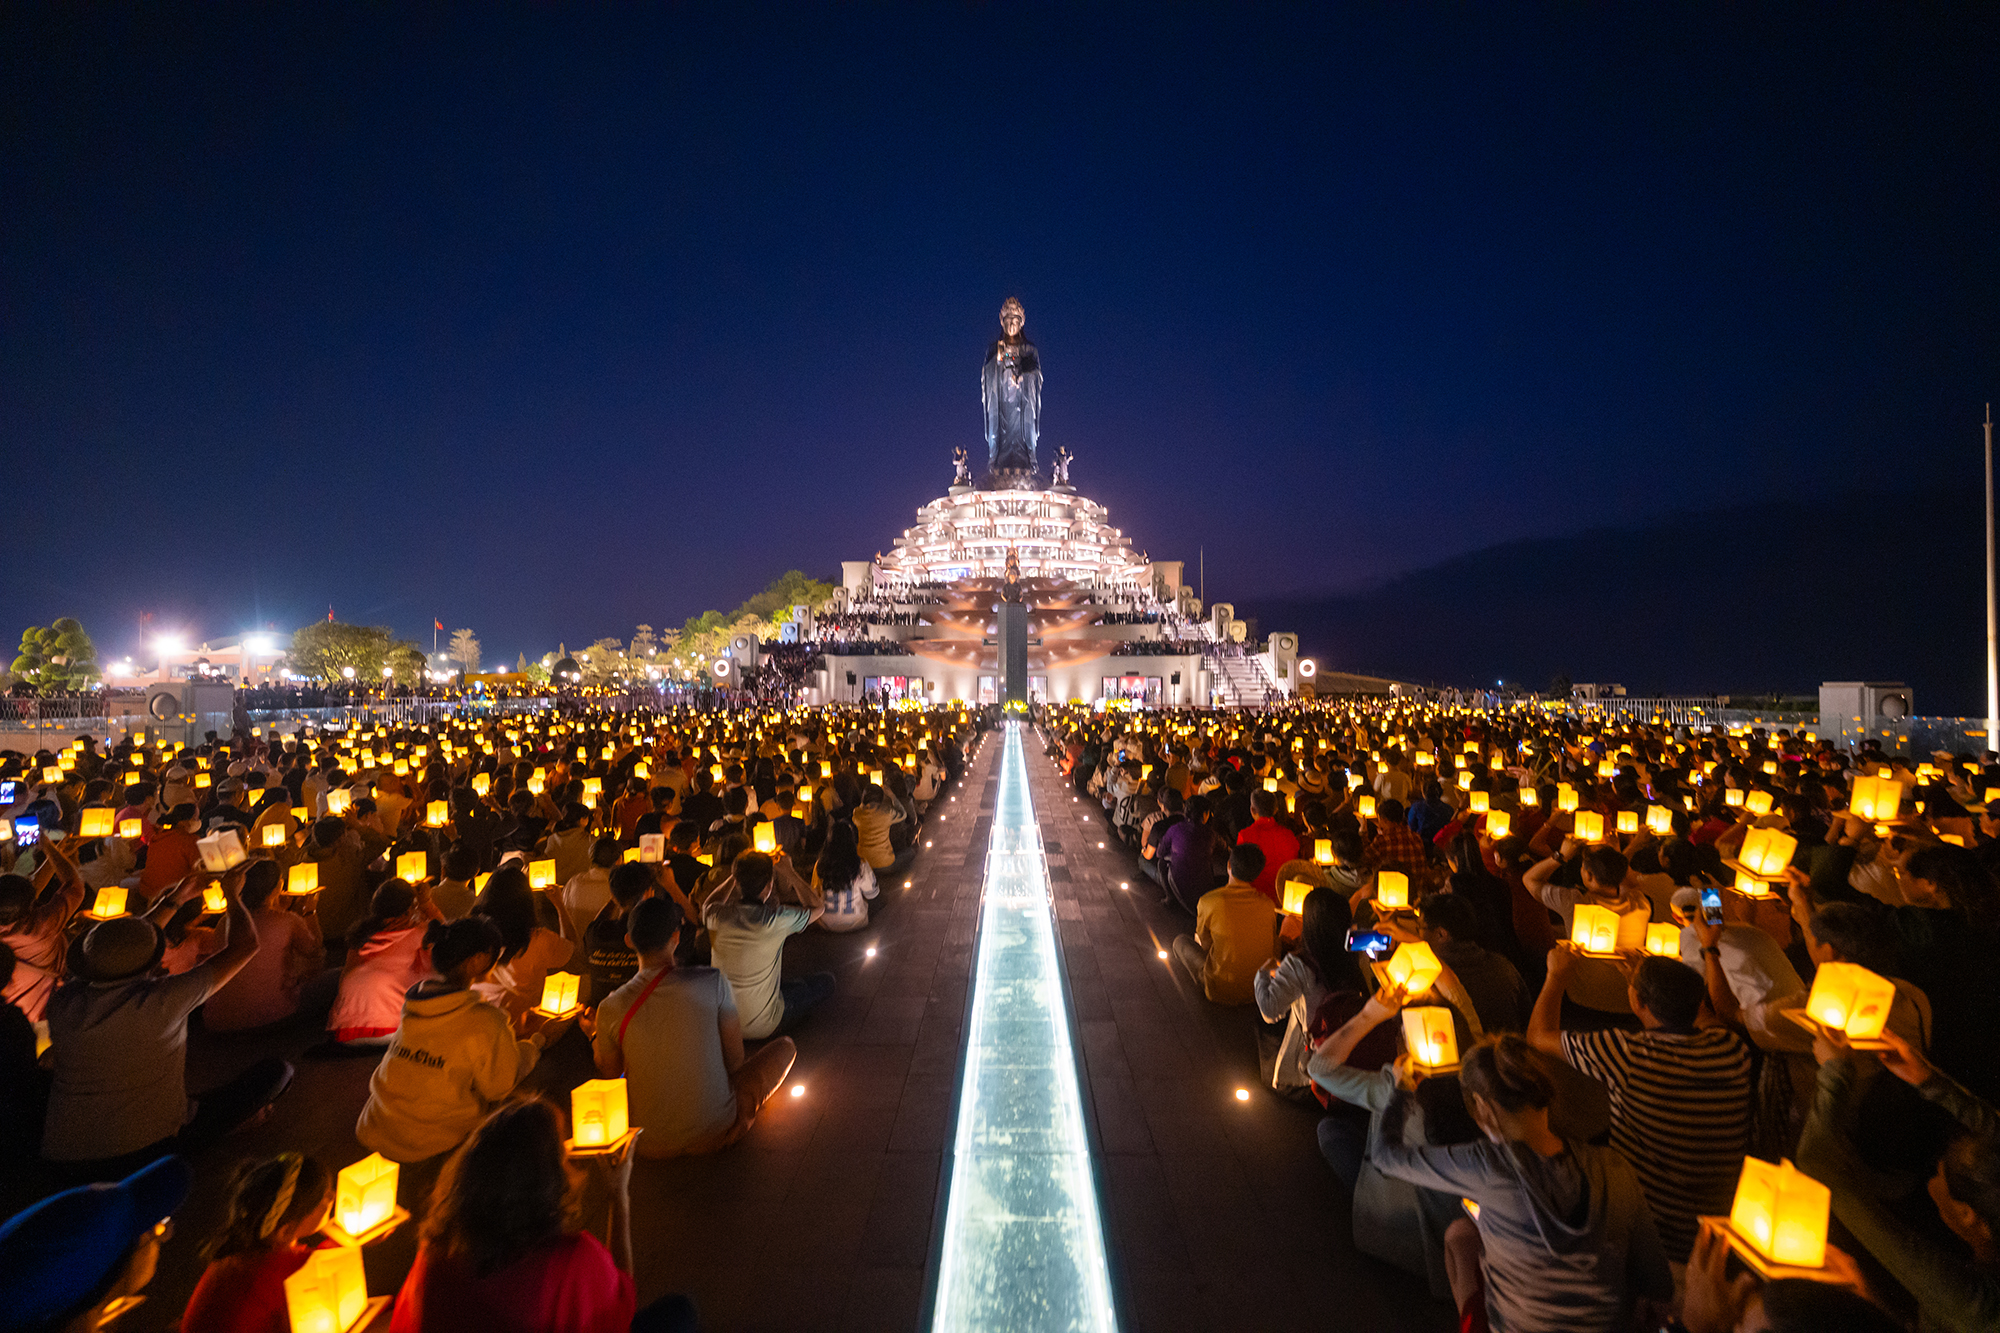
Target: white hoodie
452,1059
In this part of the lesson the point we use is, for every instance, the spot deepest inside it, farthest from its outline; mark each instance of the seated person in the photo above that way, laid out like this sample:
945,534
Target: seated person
274,1205
844,882
529,949
1235,932
290,952
747,935
454,1056
674,1033
69,1261
1601,876
608,960
385,957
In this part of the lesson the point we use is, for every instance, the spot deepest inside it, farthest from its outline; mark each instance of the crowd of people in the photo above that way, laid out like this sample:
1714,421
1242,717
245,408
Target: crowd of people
1624,968
407,892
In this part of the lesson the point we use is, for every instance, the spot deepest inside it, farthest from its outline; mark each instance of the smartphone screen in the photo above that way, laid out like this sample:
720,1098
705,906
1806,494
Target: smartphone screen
1374,943
27,831
1711,906
10,792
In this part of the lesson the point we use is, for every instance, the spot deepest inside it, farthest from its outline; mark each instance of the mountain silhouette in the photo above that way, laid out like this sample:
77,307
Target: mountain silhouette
1768,598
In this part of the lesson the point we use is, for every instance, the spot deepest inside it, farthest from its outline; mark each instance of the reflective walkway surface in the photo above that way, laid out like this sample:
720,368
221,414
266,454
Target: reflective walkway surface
1023,1247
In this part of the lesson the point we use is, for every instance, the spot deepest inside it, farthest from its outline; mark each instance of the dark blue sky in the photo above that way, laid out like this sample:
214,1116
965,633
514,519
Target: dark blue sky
551,320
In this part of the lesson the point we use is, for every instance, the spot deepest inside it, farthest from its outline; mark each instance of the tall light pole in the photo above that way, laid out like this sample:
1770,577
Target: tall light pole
1992,622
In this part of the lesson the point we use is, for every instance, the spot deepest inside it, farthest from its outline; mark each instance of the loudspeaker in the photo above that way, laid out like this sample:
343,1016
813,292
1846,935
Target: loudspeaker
743,648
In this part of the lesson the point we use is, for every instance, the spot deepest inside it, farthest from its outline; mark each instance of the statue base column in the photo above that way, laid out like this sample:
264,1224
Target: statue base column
1011,479
1013,642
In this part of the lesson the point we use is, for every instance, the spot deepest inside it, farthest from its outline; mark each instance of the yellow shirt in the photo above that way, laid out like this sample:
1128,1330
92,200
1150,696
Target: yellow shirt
1239,928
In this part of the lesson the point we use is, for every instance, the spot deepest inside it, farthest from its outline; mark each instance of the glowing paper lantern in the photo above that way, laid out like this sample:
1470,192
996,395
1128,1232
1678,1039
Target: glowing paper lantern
202,781
1758,802
97,823
541,874
1482,802
764,838
598,1115
1465,782
1323,851
1566,797
1594,929
221,851
365,1195
1295,896
1589,826
339,801
652,847
271,835
110,902
1413,967
329,1293
1659,821
1392,889
1733,797
1430,1038
1530,798
212,899
1781,1213
482,783
1663,938
437,814
1365,806
558,994
1849,998
131,828
1878,799
1766,852
303,878
1628,821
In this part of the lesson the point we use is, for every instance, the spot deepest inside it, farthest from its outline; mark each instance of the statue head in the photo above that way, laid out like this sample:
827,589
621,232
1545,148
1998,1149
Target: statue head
1012,317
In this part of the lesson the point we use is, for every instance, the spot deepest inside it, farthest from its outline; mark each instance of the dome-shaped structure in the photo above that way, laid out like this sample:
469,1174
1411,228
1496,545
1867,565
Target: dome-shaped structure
1054,534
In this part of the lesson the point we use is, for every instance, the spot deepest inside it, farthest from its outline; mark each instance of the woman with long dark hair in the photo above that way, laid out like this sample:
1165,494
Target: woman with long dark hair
385,957
1298,986
274,1205
845,880
529,949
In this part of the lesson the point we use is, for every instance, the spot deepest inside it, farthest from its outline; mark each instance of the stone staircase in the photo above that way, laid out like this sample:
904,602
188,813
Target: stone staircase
1240,681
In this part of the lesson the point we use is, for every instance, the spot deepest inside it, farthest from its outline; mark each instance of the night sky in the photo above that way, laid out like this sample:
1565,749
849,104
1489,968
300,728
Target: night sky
548,321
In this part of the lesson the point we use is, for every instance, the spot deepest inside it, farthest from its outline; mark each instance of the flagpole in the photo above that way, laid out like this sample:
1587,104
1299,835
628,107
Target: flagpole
1992,622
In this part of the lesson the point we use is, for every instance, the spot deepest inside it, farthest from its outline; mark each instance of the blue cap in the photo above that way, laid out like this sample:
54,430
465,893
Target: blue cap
56,1254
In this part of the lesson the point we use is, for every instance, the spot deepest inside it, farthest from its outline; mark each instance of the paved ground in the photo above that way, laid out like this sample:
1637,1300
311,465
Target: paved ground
1220,1214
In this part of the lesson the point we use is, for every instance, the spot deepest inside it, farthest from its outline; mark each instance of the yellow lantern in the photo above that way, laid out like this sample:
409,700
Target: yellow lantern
221,851
1766,852
1589,826
642,770
1270,784
1481,802
598,1114
303,878
1413,967
558,994
593,788
482,783
1295,897
715,772
537,784
339,801
1430,1038
110,902
1878,799
1780,1214
1847,998
364,1197
1499,824
1566,798
1628,821
1733,798
1323,851
652,847
97,823
1365,806
1594,929
1392,889
541,874
1530,798
764,838
437,814
1465,782
1659,821
1663,938
479,881
1607,768
1750,886
329,1293
401,768
1757,802
300,814
271,835
825,769
202,781
413,866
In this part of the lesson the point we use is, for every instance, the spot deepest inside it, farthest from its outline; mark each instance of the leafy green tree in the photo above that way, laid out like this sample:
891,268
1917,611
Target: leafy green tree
603,662
407,661
325,649
56,657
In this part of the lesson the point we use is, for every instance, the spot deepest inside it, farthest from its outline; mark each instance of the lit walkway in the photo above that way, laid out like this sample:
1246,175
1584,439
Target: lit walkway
1022,1246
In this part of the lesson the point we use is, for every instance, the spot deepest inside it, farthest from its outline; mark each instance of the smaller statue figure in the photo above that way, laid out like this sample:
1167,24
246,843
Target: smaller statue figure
1061,467
1010,589
962,469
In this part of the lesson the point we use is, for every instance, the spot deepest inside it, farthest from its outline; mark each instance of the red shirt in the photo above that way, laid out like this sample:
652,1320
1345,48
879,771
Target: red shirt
570,1285
170,858
244,1293
1279,845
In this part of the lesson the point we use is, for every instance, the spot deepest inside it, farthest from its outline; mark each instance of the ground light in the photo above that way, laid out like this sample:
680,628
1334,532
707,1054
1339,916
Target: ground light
1023,1246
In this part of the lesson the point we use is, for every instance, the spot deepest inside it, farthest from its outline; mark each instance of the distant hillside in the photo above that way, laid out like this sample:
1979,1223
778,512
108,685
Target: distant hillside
1757,599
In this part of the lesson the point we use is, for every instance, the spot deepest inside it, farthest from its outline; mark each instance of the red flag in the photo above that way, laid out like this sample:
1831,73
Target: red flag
439,624
329,611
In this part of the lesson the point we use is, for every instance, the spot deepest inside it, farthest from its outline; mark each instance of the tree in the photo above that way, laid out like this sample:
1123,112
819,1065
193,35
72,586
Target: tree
464,650
56,657
645,647
326,649
602,662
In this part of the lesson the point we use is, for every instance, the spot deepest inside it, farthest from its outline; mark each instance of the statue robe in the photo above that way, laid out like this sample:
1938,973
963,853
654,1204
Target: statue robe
1013,404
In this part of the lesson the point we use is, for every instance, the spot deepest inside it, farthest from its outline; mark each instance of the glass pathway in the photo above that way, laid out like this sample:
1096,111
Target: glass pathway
1023,1246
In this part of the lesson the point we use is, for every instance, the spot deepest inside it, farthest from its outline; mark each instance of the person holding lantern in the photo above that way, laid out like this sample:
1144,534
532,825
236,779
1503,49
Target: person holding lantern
34,916
275,1205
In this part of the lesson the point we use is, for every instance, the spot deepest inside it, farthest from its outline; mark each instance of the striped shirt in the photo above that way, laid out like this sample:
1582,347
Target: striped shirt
1680,1113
